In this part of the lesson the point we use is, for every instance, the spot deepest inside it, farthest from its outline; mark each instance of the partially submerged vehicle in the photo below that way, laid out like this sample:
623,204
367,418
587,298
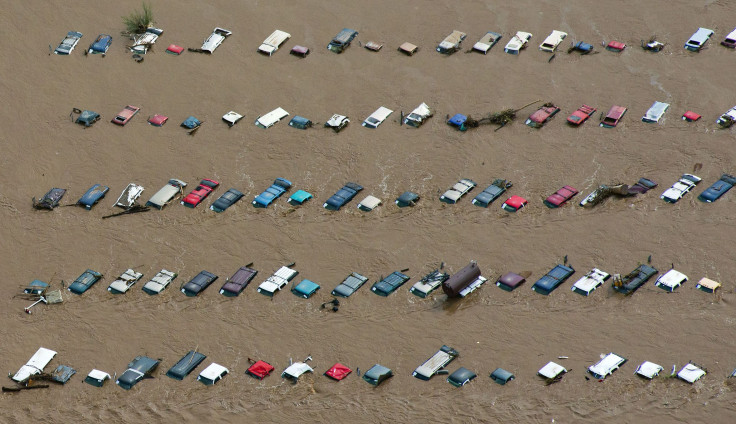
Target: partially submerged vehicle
159,282
691,116
581,115
124,282
514,203
407,199
518,42
49,200
373,46
458,121
197,196
542,115
129,196
174,49
84,281
296,370
100,45
510,281
717,189
408,49
613,116
377,374
144,41
268,120
560,197
342,196
62,374
97,378
679,189
697,41
35,365
191,123
429,283
437,362
87,118
648,370
232,118
279,187
300,51
655,112
300,122
670,280
461,377
691,372
606,366
377,117
582,47
342,40
337,122
212,374
590,281
390,284
727,119
464,282
338,372
458,190
501,376
552,41
188,363
196,285
707,285
349,285
125,115
273,42
487,42
215,39
552,371
68,44
157,120
417,116
277,281
605,190
452,42
628,283
167,193
306,288
730,40
299,197
141,367
552,279
238,282
228,199
615,46
369,203
492,192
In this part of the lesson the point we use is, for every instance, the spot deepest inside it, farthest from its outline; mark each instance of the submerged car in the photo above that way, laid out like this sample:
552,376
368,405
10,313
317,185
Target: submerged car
377,374
87,118
226,200
630,282
452,42
49,200
342,196
514,203
279,187
717,189
93,195
697,41
205,187
683,186
552,41
337,122
613,116
457,191
406,199
167,193
581,115
125,115
542,115
84,281
487,42
560,197
518,42
492,192
461,377
100,45
140,368
197,284
68,44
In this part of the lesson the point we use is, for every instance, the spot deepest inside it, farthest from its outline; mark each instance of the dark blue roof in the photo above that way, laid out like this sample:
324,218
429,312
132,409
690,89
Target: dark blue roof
93,195
457,120
191,123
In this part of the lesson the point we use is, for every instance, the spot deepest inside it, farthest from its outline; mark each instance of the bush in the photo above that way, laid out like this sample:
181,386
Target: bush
138,21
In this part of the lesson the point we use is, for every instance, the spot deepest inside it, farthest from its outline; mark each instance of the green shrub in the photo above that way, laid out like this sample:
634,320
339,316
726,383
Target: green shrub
138,21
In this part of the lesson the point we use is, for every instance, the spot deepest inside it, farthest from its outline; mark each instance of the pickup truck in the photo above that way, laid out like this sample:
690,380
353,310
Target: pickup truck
686,183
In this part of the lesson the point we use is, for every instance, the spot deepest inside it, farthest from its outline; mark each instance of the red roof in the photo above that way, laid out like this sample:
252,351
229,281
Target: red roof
158,120
260,370
175,49
616,45
338,371
516,201
691,116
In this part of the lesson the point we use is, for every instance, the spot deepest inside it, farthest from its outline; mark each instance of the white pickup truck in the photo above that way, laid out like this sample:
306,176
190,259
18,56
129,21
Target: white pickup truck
686,183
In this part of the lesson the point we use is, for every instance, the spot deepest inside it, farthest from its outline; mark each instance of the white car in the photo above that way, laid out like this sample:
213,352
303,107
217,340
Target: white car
457,191
215,39
273,42
337,122
417,116
686,183
232,118
518,42
552,41
377,117
590,281
671,280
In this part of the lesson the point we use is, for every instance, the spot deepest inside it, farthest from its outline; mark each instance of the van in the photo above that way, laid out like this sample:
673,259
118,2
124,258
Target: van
655,113
269,119
451,43
698,40
342,40
273,42
552,41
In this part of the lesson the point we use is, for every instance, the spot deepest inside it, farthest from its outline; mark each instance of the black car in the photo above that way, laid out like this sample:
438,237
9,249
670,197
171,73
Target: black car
49,200
186,365
197,284
342,196
629,283
140,368
407,198
389,284
491,193
461,377
226,200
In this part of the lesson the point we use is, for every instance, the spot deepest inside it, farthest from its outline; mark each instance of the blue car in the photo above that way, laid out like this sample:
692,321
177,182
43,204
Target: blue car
389,284
550,281
343,196
458,121
279,187
93,195
85,281
305,289
100,45
718,189
299,197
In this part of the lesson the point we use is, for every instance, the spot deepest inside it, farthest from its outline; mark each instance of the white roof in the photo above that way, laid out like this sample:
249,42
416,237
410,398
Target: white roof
422,110
160,281
272,117
98,375
518,40
552,370
691,373
215,39
708,283
370,202
336,120
232,117
553,40
607,365
273,41
731,35
648,369
296,369
426,286
590,281
213,371
278,280
473,286
377,117
433,364
452,194
671,279
35,365
655,112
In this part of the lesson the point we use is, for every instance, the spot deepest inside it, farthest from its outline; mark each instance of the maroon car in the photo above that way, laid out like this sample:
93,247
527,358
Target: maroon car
560,197
542,115
581,115
200,193
125,115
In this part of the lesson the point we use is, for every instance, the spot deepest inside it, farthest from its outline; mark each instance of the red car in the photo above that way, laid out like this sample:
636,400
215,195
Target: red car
581,115
124,116
560,197
200,193
613,116
616,46
542,115
514,203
